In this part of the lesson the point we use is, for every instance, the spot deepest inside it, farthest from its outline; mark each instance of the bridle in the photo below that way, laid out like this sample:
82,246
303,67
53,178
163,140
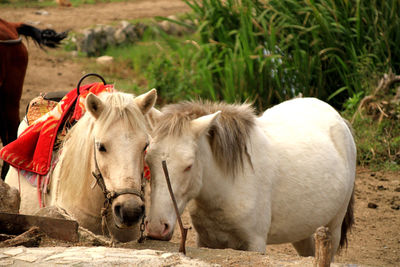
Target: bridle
111,195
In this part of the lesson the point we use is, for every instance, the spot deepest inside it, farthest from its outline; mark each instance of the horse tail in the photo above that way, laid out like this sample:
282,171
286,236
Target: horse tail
348,220
46,37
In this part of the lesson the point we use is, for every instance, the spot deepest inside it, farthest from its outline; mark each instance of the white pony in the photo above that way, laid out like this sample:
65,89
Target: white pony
110,140
251,181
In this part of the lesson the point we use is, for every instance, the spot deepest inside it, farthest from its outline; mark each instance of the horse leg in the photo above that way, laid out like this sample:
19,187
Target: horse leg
258,244
305,247
10,128
3,137
29,196
11,91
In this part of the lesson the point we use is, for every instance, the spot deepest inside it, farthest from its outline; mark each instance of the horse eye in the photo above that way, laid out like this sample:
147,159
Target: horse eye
188,168
101,147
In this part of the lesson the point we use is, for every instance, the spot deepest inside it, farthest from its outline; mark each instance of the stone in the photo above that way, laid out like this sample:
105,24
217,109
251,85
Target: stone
9,198
28,258
14,251
42,12
104,60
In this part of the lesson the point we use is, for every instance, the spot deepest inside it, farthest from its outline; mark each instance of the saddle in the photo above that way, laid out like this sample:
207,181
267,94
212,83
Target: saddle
42,104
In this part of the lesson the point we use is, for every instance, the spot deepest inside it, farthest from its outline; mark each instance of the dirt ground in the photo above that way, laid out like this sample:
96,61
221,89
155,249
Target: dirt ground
375,239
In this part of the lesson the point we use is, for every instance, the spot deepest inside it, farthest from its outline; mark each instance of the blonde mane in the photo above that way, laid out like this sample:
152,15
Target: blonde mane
227,137
78,144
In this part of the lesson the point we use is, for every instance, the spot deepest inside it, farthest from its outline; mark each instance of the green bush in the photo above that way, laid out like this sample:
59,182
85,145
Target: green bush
269,51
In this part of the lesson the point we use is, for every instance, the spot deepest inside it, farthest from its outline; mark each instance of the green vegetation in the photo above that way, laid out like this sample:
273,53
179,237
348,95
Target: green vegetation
269,51
47,3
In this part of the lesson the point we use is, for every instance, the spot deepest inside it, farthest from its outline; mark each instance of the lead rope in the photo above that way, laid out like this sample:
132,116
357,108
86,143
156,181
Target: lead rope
142,227
145,176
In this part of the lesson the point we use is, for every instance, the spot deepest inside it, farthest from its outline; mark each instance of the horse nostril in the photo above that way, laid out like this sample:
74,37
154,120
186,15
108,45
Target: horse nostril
118,211
166,229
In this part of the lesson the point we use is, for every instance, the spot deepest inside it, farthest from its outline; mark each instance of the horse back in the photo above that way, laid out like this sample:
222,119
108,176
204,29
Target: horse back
313,157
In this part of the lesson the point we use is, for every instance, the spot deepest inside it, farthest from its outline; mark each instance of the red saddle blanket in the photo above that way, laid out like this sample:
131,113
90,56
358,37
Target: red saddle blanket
32,151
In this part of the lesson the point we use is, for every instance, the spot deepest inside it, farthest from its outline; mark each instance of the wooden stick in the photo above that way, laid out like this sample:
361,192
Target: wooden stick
183,229
323,247
30,238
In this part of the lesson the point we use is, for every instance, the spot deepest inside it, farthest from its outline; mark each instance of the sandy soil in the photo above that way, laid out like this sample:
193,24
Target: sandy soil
375,239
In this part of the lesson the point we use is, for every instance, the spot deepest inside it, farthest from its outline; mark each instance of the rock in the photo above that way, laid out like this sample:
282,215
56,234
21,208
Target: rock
95,40
120,36
130,33
139,29
42,12
87,42
9,198
50,211
109,35
104,60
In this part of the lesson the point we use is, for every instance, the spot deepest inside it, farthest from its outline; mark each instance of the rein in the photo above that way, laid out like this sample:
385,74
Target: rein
111,195
13,41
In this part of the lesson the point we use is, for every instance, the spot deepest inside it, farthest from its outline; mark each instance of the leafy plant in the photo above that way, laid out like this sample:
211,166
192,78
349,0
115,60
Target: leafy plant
269,51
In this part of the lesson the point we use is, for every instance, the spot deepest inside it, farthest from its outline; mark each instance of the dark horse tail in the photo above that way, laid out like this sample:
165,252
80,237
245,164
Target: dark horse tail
47,37
348,222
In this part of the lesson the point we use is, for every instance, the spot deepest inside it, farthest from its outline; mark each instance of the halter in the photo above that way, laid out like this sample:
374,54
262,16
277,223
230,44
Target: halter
111,195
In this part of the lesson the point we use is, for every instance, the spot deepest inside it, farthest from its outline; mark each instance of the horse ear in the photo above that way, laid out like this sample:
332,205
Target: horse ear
153,117
146,101
94,105
202,124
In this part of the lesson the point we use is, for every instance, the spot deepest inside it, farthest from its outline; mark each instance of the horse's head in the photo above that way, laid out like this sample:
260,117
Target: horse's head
120,137
180,143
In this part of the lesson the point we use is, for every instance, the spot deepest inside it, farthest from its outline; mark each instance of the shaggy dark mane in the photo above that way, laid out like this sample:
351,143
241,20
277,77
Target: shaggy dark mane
227,138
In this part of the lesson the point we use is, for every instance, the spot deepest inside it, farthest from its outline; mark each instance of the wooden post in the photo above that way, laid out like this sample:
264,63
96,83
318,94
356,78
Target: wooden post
323,247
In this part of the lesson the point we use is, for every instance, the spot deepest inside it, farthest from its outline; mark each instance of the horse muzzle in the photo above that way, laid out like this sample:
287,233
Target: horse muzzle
159,231
127,210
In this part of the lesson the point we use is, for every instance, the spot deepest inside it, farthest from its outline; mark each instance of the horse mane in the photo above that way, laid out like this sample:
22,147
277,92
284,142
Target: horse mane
78,144
227,137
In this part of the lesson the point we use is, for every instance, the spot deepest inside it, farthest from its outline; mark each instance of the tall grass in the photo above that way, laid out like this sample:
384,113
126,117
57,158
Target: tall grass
269,51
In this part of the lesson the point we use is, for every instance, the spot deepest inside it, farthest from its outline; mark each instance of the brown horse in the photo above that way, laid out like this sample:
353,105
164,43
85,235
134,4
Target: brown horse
13,64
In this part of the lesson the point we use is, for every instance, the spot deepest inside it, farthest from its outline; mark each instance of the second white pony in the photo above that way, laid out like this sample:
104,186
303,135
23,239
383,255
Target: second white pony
252,181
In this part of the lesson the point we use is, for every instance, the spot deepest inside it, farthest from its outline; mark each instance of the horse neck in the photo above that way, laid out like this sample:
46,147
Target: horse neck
213,177
220,187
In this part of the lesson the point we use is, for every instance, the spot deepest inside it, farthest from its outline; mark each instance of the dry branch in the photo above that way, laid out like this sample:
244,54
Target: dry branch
183,229
384,84
30,238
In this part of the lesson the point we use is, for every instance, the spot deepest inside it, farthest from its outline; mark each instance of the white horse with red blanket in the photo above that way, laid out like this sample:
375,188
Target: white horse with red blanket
109,141
251,181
